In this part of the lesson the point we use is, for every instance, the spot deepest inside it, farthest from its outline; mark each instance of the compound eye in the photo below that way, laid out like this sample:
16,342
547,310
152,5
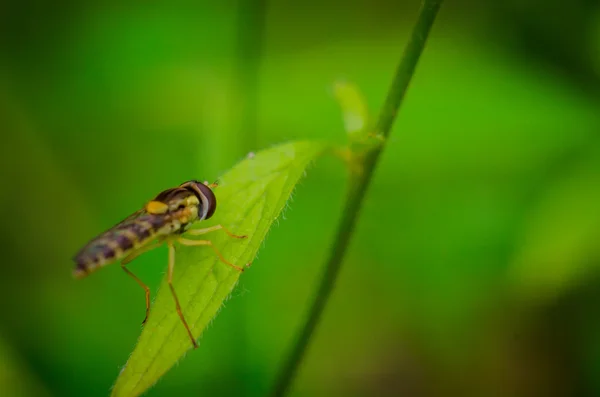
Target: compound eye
207,199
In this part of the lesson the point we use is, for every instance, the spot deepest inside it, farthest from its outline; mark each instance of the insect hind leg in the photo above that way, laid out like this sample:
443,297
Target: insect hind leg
170,281
128,259
140,251
144,286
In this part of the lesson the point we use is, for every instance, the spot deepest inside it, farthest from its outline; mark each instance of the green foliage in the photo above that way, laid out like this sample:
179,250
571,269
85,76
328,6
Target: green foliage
362,138
487,185
354,109
251,196
15,377
560,246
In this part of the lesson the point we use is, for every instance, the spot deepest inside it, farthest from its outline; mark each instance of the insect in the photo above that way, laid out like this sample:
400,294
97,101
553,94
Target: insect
162,220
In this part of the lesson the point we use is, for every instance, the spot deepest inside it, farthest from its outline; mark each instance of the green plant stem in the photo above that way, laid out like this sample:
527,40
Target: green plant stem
358,190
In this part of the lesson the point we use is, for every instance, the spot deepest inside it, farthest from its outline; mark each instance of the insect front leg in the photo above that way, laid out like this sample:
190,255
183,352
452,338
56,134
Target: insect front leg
198,232
188,242
170,281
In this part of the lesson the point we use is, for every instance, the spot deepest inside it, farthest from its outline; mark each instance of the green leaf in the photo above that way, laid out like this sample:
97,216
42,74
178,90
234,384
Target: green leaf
250,197
361,137
354,109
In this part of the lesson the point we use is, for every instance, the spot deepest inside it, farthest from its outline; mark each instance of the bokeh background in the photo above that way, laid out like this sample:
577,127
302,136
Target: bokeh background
474,270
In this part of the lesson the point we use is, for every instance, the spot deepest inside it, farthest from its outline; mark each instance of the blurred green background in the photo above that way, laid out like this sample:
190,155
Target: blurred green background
474,270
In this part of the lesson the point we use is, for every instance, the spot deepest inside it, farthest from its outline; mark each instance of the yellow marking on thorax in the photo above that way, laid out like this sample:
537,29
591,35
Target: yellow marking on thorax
188,214
191,201
156,207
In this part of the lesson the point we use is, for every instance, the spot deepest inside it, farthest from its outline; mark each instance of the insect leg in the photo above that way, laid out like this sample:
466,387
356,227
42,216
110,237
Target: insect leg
197,232
139,252
131,257
212,185
144,286
189,242
170,280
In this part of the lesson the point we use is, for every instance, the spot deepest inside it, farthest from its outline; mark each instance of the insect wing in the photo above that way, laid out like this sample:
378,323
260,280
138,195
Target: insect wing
131,233
130,218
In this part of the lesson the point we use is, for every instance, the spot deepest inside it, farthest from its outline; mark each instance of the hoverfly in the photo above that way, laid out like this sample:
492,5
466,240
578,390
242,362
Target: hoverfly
162,220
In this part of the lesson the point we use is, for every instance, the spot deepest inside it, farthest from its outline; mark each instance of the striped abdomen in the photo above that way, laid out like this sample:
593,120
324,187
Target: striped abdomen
122,240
